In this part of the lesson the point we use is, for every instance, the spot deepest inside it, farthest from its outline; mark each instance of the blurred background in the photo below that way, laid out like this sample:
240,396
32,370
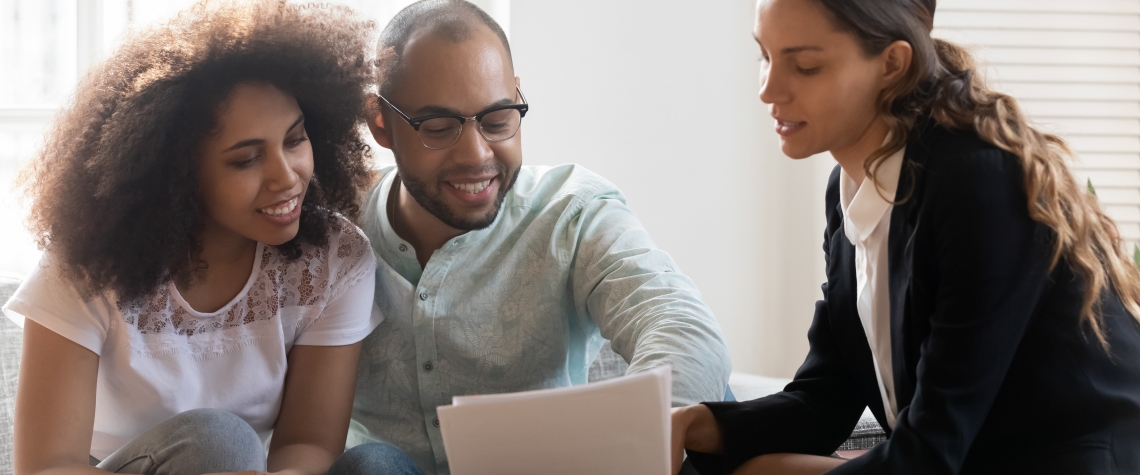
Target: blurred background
660,97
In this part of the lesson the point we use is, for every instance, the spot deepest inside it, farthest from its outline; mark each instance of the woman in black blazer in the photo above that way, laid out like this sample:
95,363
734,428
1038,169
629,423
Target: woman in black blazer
1008,305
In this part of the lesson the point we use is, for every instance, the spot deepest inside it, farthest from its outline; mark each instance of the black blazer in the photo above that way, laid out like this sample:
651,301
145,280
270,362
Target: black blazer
993,371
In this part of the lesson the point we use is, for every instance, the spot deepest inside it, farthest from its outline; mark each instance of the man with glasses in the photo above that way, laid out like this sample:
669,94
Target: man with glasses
494,277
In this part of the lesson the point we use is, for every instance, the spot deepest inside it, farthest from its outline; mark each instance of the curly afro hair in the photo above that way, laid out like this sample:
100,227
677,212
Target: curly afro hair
114,192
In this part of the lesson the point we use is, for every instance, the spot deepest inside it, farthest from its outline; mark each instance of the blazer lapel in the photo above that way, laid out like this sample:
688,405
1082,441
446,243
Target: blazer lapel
844,317
900,258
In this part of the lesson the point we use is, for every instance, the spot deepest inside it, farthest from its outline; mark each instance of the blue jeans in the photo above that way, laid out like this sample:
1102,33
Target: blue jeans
193,442
379,458
376,458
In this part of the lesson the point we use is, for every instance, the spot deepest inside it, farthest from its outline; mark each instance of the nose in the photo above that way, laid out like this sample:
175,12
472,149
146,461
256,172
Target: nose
773,89
472,148
279,174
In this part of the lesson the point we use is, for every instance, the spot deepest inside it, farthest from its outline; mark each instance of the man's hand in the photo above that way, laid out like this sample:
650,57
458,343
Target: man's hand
694,428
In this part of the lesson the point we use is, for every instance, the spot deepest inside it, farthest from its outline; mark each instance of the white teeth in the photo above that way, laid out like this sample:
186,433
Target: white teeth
280,210
472,188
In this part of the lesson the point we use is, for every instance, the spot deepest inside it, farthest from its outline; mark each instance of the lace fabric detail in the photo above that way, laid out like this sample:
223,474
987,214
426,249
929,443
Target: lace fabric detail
313,279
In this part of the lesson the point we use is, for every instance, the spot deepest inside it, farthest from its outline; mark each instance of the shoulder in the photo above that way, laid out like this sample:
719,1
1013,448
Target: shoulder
539,187
965,182
962,160
345,257
346,245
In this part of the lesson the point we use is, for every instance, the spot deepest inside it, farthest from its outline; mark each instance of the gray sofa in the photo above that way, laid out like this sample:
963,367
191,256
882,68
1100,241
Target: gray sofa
10,345
608,365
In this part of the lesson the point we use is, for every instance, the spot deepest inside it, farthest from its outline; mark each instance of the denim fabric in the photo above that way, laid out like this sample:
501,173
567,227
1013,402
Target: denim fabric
377,458
193,442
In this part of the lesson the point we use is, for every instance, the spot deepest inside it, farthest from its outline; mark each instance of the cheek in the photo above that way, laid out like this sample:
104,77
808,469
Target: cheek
226,192
303,164
845,103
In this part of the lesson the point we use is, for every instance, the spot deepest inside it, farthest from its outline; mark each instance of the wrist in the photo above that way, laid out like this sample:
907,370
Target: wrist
702,430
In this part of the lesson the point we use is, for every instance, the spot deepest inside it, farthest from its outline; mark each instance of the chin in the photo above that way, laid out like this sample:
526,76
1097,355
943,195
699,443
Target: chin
278,238
795,153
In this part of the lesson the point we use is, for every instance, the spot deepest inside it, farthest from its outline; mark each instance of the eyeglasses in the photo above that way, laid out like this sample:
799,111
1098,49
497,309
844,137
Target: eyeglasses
439,131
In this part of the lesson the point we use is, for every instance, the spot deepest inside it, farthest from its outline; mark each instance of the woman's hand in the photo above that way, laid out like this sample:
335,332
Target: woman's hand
694,428
315,410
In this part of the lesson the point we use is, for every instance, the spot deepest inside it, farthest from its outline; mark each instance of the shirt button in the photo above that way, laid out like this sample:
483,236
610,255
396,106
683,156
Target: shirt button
435,422
403,248
423,295
428,366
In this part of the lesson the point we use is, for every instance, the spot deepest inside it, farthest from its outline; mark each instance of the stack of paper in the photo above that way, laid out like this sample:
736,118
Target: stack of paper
620,426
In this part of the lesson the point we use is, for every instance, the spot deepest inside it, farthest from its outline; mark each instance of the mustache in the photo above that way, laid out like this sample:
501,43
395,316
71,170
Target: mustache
468,170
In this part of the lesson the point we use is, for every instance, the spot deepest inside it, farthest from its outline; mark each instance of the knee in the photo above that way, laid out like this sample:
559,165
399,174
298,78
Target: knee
221,437
375,458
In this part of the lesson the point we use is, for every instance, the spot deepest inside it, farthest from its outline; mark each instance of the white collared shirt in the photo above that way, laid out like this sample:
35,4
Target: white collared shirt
867,223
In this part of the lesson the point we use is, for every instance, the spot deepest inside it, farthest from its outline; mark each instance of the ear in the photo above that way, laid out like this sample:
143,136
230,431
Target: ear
897,58
518,82
376,124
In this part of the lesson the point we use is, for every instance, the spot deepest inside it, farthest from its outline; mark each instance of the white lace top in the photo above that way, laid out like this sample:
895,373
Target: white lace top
159,357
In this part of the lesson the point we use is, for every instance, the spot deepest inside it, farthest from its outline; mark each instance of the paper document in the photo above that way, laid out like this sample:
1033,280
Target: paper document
618,426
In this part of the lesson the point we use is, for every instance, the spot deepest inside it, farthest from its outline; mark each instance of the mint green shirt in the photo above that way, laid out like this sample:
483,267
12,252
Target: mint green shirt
524,304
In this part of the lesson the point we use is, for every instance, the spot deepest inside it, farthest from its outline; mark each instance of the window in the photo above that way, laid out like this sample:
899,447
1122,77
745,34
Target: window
1075,69
46,44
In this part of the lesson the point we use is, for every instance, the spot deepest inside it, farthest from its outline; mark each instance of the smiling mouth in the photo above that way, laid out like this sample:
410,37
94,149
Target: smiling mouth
473,188
282,209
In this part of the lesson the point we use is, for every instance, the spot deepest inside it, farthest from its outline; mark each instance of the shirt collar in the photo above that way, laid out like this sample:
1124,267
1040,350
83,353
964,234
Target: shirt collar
864,206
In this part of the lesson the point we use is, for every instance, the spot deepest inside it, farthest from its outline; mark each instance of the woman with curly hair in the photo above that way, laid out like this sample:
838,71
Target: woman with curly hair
201,284
978,300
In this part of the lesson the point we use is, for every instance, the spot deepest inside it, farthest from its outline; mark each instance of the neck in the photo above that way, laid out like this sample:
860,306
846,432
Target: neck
223,250
853,156
425,232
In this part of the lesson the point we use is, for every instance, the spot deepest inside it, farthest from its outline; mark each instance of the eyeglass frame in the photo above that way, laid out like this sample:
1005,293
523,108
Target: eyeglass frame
478,118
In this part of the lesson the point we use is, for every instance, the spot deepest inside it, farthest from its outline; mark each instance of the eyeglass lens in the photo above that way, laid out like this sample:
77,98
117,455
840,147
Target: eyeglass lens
442,132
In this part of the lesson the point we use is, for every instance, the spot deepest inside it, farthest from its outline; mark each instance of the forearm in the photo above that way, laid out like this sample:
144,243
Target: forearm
300,459
698,357
789,464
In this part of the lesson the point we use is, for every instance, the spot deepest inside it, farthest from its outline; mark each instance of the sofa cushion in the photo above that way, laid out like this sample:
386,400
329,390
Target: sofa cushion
11,339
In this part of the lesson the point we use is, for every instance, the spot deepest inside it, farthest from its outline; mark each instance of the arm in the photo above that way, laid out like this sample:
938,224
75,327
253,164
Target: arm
652,314
991,260
788,464
813,415
315,410
320,383
55,405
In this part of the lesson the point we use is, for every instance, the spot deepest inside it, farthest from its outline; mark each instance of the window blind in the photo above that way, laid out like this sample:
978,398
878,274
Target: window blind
1075,69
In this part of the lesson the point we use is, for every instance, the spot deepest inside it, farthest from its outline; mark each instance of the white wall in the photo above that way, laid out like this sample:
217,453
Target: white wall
659,97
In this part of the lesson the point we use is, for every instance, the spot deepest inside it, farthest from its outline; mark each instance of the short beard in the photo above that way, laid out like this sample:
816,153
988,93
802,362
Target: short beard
433,203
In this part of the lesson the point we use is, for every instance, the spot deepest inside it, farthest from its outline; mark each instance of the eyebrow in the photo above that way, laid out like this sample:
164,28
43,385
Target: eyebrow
797,49
791,50
249,142
441,110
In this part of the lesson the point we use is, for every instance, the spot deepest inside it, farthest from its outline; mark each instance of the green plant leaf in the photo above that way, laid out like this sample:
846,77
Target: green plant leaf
1136,255
1092,191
